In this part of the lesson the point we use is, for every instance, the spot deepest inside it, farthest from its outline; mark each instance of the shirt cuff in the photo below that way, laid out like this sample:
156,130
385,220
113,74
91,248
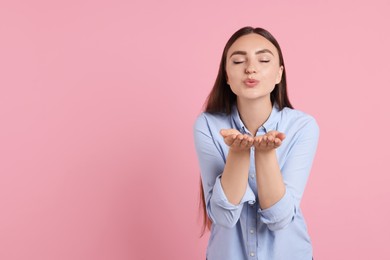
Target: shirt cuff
279,212
221,200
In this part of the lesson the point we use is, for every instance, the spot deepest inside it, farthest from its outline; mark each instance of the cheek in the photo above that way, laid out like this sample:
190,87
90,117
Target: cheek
233,74
230,77
273,74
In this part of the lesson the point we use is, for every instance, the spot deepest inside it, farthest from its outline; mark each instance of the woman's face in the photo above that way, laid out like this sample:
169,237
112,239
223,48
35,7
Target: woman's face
252,67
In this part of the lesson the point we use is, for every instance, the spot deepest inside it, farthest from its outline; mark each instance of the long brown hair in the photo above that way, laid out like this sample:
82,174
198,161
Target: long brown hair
221,98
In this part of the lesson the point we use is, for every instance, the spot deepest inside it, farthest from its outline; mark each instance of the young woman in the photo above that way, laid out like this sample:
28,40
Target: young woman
255,153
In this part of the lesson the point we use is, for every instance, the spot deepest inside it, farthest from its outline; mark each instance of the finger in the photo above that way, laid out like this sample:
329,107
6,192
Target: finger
277,142
249,142
227,132
238,140
281,136
277,134
230,139
270,143
273,133
257,141
261,143
244,143
270,138
267,141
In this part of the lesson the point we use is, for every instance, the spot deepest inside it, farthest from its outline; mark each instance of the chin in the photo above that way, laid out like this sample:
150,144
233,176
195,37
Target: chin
254,96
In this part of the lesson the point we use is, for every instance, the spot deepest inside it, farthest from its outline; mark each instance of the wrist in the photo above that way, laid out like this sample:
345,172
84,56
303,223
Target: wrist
239,152
265,153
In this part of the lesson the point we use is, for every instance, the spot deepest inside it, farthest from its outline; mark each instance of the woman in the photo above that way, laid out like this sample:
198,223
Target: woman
255,153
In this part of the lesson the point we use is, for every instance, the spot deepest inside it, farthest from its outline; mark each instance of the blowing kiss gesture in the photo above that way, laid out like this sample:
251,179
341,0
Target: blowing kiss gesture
262,143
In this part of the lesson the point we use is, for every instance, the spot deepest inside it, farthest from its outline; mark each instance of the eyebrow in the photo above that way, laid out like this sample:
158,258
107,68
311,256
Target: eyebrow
257,52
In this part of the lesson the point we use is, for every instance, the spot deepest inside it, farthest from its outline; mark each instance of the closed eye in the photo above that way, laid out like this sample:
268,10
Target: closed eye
265,61
237,62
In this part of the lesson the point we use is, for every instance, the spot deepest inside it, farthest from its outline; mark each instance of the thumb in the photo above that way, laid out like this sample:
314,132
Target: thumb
281,136
227,132
224,132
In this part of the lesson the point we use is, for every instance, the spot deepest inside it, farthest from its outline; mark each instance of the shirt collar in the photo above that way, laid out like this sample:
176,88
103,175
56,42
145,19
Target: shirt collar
270,124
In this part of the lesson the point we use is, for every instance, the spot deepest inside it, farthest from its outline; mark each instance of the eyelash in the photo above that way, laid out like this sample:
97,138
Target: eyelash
239,62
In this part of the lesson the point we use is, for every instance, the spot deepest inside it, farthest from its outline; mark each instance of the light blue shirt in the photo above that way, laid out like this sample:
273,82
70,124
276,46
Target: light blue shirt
245,231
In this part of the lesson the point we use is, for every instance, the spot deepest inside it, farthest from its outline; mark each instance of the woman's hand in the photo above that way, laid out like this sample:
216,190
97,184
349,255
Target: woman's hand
269,141
236,141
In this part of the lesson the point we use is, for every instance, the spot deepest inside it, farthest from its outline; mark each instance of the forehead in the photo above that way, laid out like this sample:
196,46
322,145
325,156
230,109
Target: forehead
251,43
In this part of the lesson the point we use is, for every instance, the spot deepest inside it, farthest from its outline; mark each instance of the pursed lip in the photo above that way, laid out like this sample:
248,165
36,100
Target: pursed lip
251,82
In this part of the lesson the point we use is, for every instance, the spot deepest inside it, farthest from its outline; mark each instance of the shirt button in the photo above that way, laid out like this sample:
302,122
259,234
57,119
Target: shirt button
252,254
252,176
252,231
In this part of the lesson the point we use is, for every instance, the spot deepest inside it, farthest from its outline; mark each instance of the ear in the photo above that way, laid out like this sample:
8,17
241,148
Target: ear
280,74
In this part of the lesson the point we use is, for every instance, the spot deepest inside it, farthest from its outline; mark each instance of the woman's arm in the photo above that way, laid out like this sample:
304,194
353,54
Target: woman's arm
269,179
294,174
212,164
234,178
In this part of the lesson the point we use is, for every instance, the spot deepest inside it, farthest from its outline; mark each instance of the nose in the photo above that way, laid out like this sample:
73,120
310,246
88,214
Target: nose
250,68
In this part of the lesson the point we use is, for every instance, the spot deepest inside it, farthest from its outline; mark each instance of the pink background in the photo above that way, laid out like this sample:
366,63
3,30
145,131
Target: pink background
97,103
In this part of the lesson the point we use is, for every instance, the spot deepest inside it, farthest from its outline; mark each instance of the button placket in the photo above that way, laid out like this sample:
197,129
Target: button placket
251,227
252,222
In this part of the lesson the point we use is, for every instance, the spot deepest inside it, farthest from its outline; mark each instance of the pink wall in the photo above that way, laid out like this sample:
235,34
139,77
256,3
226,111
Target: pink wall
97,102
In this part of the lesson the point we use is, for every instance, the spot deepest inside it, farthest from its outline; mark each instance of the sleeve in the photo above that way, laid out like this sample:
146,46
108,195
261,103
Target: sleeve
295,171
212,163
